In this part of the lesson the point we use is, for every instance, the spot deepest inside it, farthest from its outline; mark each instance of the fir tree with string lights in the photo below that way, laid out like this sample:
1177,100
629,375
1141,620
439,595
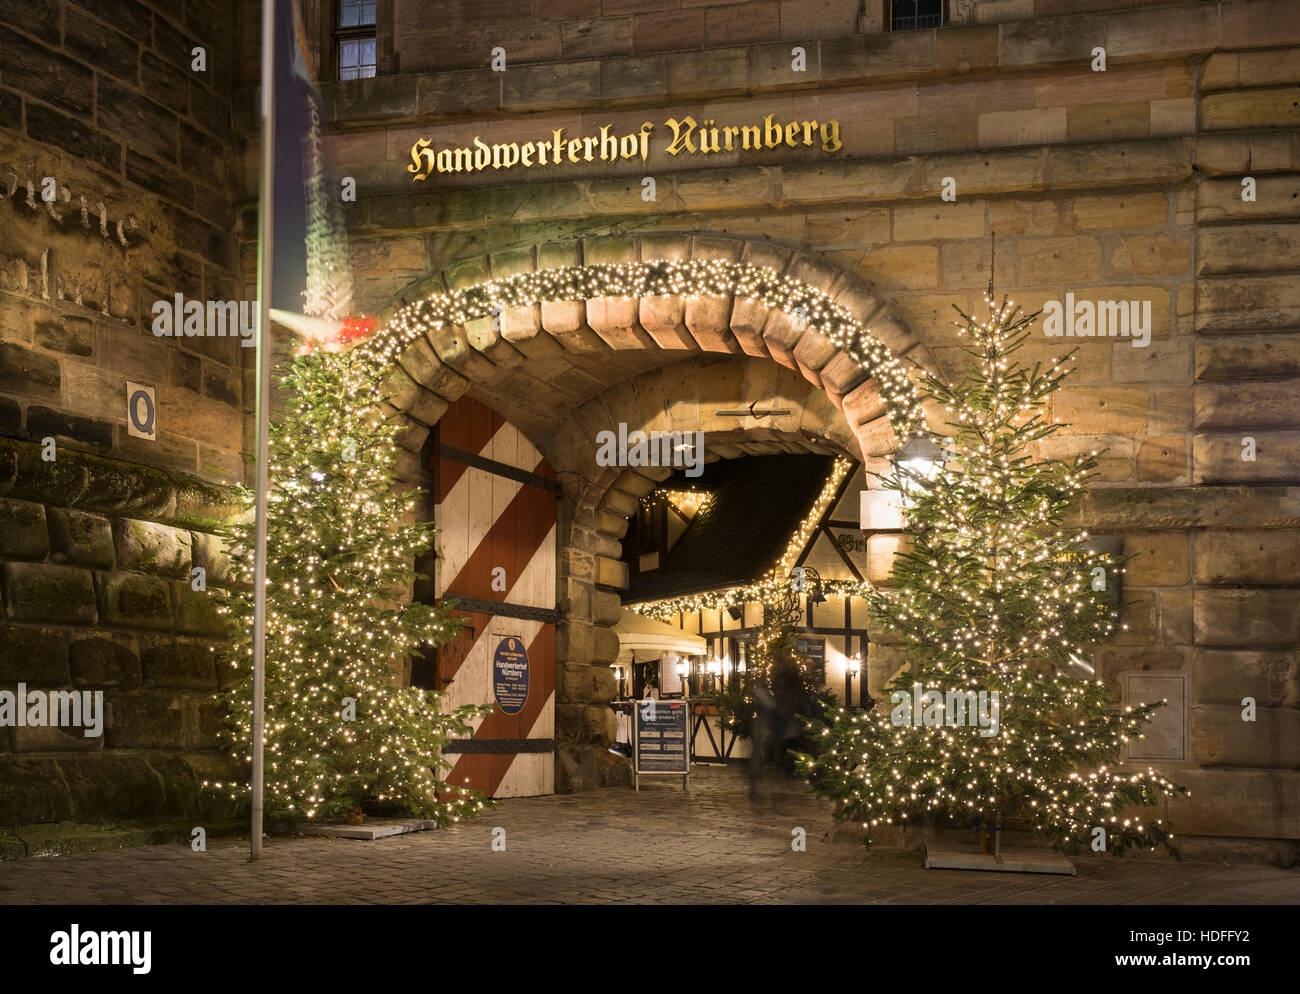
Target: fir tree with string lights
995,595
340,549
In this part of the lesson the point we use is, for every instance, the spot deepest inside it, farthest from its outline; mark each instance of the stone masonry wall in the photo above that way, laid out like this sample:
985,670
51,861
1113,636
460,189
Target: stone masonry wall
1118,185
96,560
102,105
570,30
139,149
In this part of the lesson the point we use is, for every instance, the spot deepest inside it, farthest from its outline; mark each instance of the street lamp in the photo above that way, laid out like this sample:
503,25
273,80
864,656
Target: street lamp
852,667
682,669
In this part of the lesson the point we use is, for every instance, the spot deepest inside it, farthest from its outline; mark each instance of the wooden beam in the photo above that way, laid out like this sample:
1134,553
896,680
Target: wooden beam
496,468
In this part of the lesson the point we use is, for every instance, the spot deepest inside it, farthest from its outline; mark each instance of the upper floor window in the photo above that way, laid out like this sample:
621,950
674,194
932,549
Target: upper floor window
354,39
909,15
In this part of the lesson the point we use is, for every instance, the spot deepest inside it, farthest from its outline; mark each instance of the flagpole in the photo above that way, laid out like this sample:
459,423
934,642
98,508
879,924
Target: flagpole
264,255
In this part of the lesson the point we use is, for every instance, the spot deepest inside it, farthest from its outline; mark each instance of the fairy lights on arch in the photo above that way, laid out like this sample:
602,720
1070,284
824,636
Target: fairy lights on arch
691,278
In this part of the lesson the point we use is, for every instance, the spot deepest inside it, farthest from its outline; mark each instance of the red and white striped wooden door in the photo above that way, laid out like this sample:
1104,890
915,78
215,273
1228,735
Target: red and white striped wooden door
495,512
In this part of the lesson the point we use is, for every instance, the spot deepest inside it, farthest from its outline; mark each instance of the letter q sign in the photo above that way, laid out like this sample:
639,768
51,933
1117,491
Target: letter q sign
141,412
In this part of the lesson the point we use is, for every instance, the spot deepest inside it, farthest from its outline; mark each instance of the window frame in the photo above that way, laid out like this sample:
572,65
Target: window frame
889,17
338,34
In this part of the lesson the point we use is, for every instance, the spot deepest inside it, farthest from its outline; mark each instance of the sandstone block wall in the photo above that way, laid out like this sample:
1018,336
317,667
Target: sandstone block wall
96,575
101,105
578,30
138,146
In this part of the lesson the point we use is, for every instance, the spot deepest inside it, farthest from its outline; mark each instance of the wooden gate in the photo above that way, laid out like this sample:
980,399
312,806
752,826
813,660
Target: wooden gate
495,512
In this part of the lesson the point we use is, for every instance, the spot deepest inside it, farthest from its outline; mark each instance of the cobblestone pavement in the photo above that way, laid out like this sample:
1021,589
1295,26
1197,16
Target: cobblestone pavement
710,846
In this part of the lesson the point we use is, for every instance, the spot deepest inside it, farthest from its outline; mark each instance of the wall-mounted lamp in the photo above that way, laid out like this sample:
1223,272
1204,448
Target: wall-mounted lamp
918,463
714,668
852,667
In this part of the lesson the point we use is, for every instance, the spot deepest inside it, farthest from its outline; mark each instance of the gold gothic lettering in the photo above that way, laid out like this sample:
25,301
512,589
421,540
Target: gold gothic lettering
688,137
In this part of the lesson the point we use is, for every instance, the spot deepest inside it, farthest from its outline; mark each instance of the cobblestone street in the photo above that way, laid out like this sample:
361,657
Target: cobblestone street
711,846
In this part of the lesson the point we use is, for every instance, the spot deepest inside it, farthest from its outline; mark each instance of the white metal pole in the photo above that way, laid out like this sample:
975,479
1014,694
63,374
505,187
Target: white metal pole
264,255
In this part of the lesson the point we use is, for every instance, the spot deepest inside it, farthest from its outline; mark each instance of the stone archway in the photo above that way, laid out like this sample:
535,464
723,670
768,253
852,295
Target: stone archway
656,331
685,395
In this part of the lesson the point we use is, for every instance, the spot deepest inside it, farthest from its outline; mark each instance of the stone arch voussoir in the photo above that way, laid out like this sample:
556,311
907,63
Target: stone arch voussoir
464,331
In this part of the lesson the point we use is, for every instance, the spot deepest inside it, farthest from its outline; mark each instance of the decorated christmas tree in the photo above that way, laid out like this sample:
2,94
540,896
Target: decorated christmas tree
994,716
340,731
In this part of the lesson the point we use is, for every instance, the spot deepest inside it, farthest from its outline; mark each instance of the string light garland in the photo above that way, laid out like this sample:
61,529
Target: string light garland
760,592
777,579
440,313
690,501
799,540
994,595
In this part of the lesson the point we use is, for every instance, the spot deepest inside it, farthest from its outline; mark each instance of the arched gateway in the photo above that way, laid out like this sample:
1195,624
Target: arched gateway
564,340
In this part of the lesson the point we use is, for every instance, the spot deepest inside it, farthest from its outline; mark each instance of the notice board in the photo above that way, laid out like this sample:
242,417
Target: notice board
662,733
510,675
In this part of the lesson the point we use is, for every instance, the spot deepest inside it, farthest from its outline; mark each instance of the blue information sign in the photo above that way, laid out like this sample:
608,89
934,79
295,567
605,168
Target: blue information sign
510,675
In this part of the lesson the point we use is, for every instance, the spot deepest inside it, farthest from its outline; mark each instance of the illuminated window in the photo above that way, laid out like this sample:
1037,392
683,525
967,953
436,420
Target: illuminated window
910,15
356,13
355,39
